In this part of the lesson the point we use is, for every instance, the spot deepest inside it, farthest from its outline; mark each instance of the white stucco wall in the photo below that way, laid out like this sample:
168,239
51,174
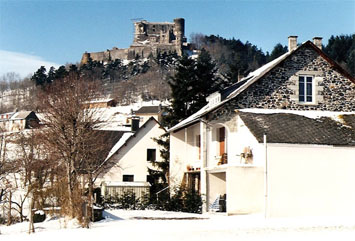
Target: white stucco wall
183,152
131,159
243,138
13,125
310,180
245,190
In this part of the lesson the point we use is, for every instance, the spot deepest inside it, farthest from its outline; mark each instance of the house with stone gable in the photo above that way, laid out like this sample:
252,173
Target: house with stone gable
126,166
280,142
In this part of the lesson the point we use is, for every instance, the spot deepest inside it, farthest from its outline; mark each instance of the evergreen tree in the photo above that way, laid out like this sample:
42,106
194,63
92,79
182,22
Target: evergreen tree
277,52
61,72
191,84
73,68
158,177
206,79
182,91
51,75
342,50
234,58
40,76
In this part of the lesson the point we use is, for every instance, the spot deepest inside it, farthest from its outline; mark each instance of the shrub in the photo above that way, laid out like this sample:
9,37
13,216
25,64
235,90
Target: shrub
182,200
127,200
39,216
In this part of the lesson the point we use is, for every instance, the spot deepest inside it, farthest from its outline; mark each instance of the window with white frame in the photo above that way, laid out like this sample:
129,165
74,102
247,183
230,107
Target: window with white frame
305,85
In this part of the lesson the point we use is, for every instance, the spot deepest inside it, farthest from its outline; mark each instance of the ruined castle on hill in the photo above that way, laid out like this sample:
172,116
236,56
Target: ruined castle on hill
150,38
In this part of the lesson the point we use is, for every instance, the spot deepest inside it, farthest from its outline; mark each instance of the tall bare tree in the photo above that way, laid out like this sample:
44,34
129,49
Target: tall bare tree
34,169
70,133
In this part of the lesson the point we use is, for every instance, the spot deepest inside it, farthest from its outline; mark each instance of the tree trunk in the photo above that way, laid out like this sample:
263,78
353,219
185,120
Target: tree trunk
21,212
31,228
91,194
70,192
9,216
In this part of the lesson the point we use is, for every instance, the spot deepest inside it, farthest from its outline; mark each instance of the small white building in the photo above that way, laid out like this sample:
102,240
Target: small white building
127,163
18,121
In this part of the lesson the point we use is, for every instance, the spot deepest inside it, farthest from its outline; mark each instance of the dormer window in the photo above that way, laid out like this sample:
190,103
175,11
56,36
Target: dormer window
305,84
214,99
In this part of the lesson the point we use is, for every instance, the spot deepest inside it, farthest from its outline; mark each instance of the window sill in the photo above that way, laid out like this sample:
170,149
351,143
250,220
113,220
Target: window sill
308,103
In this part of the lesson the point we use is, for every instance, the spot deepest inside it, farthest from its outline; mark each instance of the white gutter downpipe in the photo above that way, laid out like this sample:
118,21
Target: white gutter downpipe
266,184
203,175
185,142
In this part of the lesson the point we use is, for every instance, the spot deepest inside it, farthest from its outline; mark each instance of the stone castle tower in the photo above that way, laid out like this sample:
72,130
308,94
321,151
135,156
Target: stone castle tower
150,38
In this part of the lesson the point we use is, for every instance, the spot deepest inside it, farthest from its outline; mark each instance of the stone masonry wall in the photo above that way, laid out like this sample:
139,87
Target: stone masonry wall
279,90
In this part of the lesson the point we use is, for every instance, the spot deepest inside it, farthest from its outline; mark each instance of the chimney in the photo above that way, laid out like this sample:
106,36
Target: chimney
135,123
318,42
292,43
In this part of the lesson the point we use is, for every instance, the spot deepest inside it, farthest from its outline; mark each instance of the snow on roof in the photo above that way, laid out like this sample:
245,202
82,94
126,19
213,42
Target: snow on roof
20,115
100,100
119,144
258,73
314,114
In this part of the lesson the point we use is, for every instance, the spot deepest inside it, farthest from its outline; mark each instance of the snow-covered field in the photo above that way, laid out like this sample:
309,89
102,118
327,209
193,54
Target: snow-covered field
170,226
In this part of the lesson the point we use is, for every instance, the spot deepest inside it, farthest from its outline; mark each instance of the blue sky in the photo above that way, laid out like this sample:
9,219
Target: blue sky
58,32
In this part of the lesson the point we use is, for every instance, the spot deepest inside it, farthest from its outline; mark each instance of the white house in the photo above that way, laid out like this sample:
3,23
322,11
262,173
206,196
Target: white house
280,142
129,160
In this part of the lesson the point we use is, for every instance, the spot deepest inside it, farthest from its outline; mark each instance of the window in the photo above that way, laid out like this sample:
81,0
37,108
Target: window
151,155
305,85
128,178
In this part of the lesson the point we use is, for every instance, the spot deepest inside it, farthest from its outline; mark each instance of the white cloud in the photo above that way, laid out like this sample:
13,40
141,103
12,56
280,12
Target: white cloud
22,64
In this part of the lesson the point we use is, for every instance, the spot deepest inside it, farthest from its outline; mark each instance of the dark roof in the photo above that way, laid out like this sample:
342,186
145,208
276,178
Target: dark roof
227,91
148,110
110,137
298,129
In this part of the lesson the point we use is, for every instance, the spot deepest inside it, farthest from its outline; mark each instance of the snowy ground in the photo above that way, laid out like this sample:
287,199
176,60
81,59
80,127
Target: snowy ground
170,226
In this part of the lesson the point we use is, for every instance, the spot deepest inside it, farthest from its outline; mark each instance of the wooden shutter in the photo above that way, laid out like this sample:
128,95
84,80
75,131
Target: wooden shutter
222,135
